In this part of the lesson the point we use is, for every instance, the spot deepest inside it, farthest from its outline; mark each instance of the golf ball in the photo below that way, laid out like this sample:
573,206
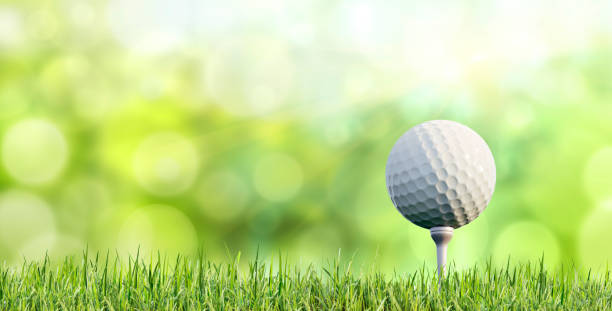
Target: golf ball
440,173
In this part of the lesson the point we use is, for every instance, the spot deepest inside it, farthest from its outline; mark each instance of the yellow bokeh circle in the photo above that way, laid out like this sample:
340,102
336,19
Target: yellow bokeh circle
165,163
34,151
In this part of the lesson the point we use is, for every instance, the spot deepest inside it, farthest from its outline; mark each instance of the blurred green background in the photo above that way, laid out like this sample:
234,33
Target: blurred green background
233,125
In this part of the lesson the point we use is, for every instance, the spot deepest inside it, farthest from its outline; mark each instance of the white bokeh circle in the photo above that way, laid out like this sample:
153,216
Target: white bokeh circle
34,151
151,27
250,77
11,27
23,217
53,245
526,241
597,175
165,163
277,177
594,240
157,228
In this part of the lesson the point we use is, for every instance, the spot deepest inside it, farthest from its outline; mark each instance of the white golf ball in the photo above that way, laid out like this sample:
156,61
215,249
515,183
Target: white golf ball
440,173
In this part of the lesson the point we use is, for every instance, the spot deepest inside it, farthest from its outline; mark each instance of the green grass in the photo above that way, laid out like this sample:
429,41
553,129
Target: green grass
106,283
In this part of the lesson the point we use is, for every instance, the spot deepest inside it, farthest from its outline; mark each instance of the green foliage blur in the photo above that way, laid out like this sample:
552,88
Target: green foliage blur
244,125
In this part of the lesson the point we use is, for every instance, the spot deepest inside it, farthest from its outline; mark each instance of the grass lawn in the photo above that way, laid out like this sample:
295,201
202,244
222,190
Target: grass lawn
105,283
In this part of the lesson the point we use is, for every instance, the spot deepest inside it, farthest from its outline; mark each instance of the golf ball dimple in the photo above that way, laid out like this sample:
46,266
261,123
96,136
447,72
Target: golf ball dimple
440,173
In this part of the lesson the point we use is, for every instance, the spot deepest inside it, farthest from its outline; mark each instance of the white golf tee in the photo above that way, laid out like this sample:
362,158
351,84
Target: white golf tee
441,235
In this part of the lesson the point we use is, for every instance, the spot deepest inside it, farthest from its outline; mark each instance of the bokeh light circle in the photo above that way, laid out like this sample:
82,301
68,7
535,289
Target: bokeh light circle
34,151
23,217
469,243
223,195
594,240
598,175
151,27
59,76
250,77
157,228
606,204
11,27
326,239
81,14
420,246
53,245
277,177
526,241
165,163
553,184
82,200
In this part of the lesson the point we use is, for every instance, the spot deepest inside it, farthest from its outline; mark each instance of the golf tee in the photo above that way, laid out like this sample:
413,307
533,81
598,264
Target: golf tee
441,236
